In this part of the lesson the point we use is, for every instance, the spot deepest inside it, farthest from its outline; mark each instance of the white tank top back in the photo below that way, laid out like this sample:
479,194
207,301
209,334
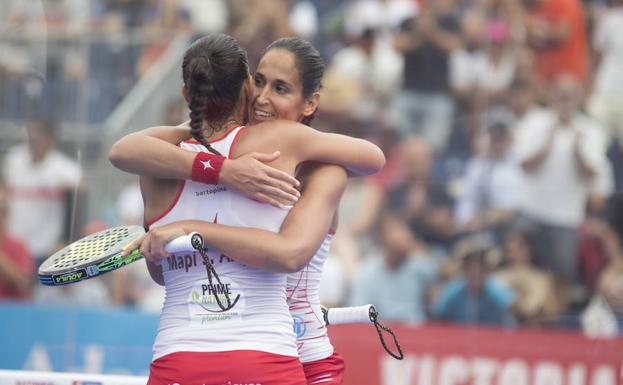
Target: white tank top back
191,319
312,340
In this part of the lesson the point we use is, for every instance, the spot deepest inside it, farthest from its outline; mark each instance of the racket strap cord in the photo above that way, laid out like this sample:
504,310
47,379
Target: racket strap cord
211,271
379,329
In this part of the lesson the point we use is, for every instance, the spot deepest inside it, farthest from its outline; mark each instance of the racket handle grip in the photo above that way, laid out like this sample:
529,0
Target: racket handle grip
347,315
185,243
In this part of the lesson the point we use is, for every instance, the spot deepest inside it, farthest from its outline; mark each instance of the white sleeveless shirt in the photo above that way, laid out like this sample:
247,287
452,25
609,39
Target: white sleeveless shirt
191,320
312,341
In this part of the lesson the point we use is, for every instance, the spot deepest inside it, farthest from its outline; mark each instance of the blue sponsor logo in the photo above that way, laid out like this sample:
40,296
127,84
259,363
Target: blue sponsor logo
300,327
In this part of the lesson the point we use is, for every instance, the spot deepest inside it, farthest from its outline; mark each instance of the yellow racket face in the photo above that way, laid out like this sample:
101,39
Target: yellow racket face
90,249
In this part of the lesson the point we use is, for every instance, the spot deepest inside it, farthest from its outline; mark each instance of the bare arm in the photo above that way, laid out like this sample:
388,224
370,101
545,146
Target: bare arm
287,251
360,157
153,152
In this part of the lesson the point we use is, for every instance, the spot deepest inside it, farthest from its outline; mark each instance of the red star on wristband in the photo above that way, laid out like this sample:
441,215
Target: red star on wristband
207,165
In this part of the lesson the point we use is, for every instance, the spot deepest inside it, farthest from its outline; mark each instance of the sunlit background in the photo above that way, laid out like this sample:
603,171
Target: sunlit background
501,124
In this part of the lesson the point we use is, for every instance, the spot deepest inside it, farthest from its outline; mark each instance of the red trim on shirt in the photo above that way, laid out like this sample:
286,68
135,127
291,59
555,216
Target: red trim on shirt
171,205
231,148
194,141
224,136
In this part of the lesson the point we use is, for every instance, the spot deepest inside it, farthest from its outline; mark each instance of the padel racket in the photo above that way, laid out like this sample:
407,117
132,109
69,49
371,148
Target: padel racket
361,314
100,253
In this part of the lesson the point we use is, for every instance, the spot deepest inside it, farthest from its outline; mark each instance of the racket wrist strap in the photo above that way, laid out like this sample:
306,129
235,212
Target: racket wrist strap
207,168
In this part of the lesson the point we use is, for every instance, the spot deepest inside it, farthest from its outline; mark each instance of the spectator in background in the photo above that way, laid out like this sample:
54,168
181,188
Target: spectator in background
381,15
557,32
375,67
536,303
482,71
398,282
258,23
467,74
475,296
38,178
606,102
304,19
206,16
421,199
561,152
16,264
23,61
509,12
162,20
491,185
501,60
519,102
424,107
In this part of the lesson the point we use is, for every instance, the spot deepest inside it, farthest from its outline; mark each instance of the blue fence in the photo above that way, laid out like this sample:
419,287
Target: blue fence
73,339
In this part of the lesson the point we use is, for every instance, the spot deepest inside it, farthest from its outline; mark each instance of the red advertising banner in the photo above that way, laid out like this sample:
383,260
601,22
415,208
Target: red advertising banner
447,355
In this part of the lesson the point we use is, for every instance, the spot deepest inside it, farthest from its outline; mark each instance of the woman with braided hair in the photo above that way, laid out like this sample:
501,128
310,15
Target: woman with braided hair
254,245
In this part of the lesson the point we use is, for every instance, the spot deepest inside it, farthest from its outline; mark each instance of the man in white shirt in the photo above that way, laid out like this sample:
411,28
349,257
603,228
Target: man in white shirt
37,176
562,153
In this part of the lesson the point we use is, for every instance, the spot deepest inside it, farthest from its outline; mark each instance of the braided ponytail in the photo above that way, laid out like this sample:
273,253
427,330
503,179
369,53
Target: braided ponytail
199,89
214,69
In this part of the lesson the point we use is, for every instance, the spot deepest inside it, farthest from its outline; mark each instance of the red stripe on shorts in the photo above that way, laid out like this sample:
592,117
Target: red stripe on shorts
328,371
240,367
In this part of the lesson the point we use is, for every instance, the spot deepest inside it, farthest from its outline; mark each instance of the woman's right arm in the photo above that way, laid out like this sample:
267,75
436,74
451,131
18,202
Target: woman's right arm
153,152
287,251
360,157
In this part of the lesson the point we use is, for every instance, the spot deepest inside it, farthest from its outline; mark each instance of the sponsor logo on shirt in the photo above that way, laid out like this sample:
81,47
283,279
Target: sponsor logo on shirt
300,326
210,191
187,261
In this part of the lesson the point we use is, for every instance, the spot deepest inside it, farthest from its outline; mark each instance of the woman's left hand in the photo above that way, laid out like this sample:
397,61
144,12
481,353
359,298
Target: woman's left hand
152,244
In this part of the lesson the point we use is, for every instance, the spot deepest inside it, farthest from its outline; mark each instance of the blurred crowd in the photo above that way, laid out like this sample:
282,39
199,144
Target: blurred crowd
501,202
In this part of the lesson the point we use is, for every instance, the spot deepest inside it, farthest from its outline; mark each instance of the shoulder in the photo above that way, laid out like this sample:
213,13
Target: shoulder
280,126
271,135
